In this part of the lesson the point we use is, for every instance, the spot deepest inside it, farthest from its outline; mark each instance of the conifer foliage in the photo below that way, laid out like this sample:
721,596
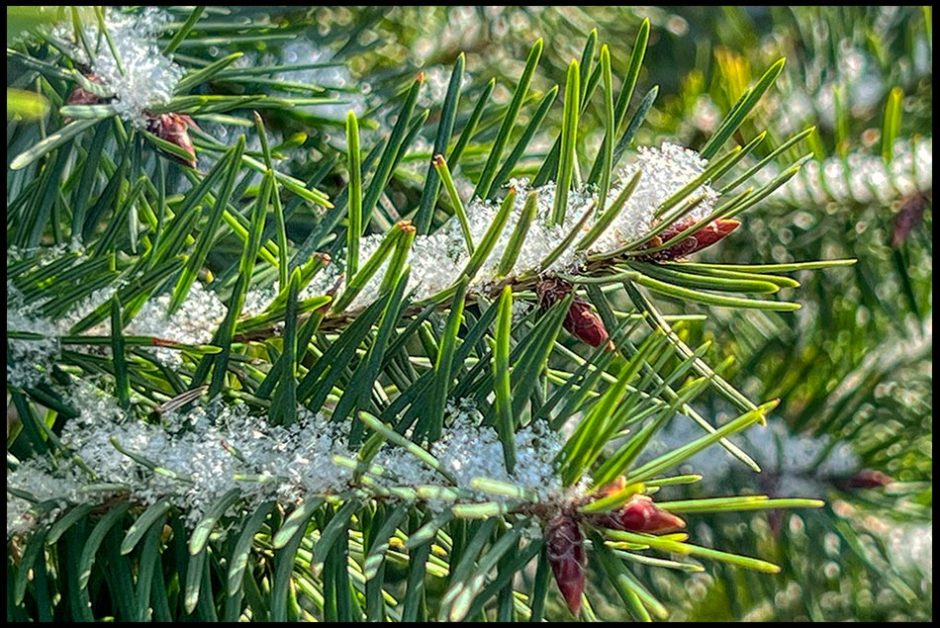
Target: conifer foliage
295,336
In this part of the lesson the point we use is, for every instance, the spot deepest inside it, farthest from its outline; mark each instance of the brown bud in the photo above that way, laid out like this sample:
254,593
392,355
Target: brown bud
565,550
81,96
174,128
640,514
550,291
675,229
703,238
581,321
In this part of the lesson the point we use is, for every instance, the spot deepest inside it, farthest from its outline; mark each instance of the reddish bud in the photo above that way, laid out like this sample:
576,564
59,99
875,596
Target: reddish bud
174,128
869,478
565,549
911,214
673,230
703,238
640,514
581,321
551,291
81,96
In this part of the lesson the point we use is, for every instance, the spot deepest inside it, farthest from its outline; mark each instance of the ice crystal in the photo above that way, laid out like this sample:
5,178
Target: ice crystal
20,514
468,450
42,482
28,361
136,72
257,300
32,358
194,322
664,171
212,449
